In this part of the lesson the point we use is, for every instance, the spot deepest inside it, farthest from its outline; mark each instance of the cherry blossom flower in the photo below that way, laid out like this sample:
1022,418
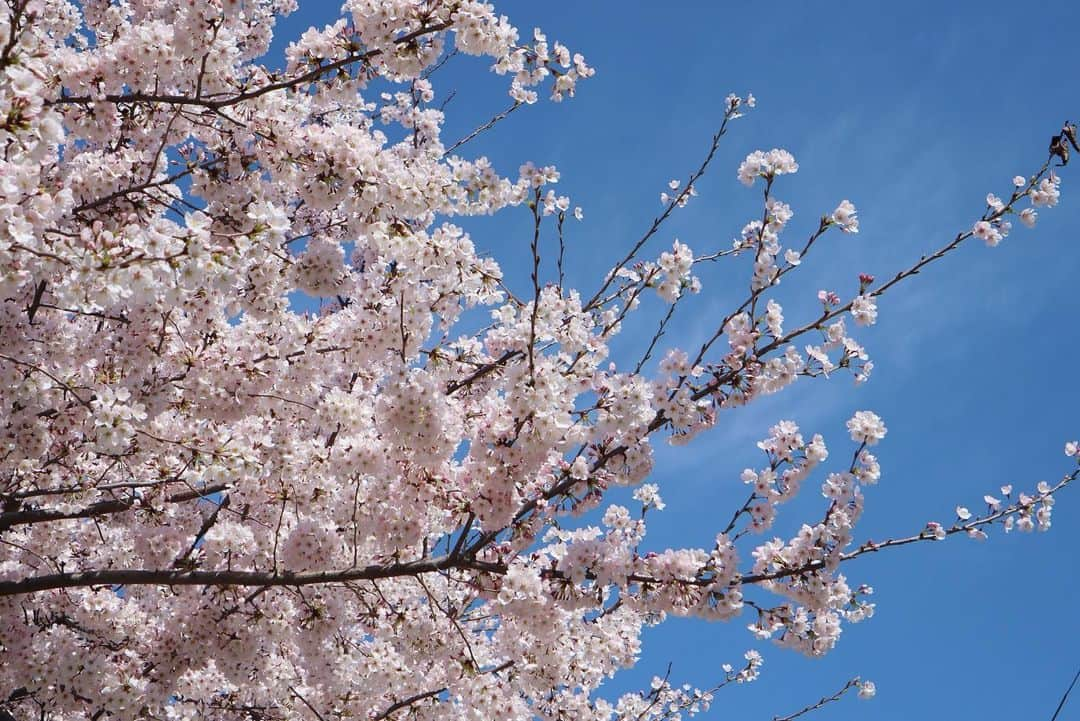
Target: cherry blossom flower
845,216
866,427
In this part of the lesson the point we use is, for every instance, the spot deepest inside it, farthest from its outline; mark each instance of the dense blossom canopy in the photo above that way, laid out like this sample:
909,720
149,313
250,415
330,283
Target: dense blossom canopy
218,505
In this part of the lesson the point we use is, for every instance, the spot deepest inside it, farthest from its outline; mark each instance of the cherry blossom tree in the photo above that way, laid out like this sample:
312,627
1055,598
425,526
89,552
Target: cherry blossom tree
219,505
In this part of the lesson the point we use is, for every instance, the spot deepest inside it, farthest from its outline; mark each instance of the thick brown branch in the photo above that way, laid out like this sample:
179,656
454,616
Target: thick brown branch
101,508
405,702
139,577
124,192
482,371
211,104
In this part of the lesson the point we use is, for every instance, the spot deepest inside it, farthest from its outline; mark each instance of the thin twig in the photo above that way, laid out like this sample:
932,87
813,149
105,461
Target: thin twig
486,126
1065,698
824,701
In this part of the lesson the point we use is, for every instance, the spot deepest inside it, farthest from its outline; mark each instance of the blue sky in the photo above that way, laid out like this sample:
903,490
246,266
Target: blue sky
914,111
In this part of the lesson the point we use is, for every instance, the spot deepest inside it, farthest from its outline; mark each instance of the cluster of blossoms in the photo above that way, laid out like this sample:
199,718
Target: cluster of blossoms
278,439
994,226
666,701
680,197
791,461
114,420
767,165
804,568
866,427
1027,512
675,275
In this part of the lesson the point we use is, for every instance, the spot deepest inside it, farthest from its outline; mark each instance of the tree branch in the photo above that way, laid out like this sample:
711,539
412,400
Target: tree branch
172,577
207,102
824,701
